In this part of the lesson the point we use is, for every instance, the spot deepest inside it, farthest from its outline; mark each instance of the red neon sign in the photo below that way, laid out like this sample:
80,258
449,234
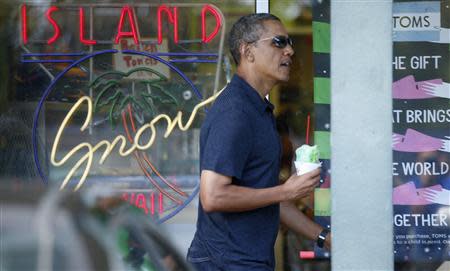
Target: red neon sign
173,19
209,8
120,33
23,10
127,16
82,39
57,32
140,201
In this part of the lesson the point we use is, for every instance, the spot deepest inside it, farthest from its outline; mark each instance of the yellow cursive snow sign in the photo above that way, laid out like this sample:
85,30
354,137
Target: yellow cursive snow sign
89,149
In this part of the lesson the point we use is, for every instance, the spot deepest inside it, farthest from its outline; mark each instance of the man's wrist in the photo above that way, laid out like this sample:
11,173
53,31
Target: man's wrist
320,241
283,192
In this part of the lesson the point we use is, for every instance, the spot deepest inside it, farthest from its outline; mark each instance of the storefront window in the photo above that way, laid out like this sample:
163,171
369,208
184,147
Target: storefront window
113,95
302,108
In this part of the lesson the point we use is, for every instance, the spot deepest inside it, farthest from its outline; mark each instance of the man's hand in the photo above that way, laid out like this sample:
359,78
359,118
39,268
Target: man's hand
438,196
437,90
301,186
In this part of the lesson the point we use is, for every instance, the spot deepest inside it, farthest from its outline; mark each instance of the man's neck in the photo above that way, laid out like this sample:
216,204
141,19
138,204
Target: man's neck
261,86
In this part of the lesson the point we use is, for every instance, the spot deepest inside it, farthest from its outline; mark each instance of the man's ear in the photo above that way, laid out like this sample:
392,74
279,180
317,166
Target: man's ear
247,53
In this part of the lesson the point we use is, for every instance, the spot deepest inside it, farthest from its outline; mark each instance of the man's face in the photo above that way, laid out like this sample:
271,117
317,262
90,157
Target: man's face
271,62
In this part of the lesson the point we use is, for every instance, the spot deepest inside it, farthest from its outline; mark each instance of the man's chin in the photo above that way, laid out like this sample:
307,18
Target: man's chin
284,79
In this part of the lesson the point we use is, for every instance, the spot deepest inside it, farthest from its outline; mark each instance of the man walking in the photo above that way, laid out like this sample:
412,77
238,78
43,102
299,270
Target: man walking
240,195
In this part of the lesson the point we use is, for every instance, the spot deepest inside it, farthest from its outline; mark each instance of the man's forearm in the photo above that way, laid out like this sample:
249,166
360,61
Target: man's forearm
299,223
218,193
234,198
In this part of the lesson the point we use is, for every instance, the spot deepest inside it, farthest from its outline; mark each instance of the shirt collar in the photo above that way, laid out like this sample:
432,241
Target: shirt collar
252,94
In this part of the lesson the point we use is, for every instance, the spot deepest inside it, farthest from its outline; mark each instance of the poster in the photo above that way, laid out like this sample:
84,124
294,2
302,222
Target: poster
421,131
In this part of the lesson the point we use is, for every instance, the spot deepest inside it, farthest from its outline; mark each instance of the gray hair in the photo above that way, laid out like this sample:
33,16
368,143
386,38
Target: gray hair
247,29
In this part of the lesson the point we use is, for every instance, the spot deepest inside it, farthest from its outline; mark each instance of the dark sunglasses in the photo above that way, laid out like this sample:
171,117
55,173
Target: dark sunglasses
280,41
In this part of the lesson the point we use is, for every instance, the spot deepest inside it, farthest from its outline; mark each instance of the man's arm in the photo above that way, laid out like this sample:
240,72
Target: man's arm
298,222
217,193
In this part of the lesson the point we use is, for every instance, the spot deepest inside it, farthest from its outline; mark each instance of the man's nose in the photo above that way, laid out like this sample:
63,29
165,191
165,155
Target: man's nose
289,50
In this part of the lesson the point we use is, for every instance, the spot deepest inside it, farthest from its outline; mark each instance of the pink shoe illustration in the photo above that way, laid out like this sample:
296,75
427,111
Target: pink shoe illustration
414,141
407,88
408,194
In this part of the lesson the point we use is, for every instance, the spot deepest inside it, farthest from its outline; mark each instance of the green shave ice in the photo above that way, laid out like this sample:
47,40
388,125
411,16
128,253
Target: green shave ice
307,154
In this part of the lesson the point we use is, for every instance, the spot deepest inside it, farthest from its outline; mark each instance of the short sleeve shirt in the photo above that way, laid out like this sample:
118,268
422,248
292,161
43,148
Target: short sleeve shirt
239,139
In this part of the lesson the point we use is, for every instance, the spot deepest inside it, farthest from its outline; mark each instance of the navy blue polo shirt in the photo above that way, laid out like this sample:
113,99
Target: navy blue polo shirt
239,139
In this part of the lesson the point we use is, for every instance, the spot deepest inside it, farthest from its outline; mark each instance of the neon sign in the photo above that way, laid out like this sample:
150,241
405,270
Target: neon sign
110,101
81,20
128,20
120,140
145,203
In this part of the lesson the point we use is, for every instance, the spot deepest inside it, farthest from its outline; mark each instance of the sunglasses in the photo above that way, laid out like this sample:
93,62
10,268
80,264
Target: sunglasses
280,41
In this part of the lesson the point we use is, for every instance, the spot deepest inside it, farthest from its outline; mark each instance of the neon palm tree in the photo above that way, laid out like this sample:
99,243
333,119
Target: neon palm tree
120,103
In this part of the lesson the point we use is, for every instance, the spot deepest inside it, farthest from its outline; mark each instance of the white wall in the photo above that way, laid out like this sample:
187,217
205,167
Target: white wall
361,106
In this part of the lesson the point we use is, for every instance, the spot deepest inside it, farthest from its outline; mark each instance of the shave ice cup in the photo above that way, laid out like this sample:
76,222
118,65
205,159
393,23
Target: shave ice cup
307,159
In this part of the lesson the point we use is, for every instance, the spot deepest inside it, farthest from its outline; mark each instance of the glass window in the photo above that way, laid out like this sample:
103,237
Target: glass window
303,117
111,94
